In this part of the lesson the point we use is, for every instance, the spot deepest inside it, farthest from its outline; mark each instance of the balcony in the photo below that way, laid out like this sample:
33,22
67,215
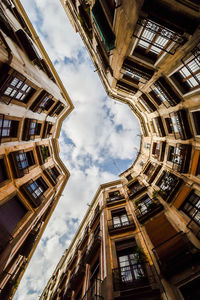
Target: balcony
21,162
169,185
179,157
179,125
77,276
95,216
176,254
72,260
103,26
137,279
43,153
66,293
134,188
93,247
122,226
151,171
82,242
158,150
95,291
147,212
113,200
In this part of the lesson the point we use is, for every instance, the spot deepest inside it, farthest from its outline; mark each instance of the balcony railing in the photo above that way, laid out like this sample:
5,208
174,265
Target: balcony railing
93,246
114,199
94,292
95,216
181,160
134,277
134,189
127,225
77,276
176,254
148,212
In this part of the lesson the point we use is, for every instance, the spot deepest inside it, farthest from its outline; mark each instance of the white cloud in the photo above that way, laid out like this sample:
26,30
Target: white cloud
100,130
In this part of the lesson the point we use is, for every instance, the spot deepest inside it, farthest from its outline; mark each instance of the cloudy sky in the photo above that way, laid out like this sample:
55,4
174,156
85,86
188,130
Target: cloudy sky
98,140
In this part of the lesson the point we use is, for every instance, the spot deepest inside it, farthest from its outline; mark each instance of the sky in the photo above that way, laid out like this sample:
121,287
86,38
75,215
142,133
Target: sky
99,140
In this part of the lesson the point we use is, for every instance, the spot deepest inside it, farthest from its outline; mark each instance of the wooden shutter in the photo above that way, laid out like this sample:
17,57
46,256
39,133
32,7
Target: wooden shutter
195,161
159,230
185,191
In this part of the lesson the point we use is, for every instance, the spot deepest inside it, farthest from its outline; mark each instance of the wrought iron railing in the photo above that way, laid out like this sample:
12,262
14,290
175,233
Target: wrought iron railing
133,276
121,224
115,198
95,291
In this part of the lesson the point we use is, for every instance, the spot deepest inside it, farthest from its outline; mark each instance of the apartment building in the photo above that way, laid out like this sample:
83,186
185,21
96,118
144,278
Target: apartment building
33,105
140,238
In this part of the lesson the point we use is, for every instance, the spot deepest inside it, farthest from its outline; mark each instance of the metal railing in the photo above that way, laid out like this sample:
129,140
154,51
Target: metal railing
133,276
121,223
94,292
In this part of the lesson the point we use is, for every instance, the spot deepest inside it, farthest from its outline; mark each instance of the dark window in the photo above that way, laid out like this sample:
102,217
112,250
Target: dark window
196,120
191,207
8,128
129,177
120,218
156,149
54,173
190,290
3,172
11,214
45,152
149,169
37,188
169,124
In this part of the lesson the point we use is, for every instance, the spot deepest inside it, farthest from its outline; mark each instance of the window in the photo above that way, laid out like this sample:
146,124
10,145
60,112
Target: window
196,121
147,145
144,204
34,128
190,72
154,39
8,128
167,183
130,264
45,152
191,207
190,290
53,172
37,188
3,172
25,159
11,214
46,103
16,87
169,124
149,169
129,177
156,149
177,155
120,218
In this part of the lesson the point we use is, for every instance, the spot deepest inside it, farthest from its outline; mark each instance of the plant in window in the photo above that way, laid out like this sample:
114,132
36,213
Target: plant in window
45,153
139,254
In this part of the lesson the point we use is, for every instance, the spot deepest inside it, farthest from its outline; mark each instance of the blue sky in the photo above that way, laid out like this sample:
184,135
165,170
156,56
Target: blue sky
98,140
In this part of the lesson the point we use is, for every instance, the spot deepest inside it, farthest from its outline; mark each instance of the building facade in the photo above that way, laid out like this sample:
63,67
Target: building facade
33,104
140,238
